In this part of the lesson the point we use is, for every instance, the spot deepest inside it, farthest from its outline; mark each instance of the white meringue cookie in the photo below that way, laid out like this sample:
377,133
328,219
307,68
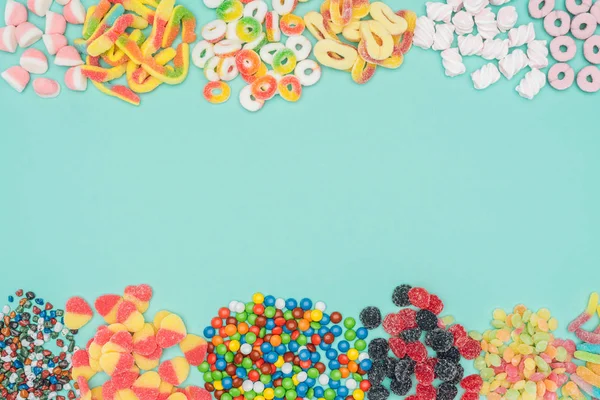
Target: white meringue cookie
486,24
475,6
424,32
444,36
439,12
470,45
513,63
463,22
452,62
531,84
537,52
494,49
485,76
506,18
521,35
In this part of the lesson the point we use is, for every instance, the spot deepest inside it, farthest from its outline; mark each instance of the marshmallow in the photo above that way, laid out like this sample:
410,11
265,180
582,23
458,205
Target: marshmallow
506,18
75,80
68,56
513,63
470,45
494,49
475,6
531,84
27,34
54,43
463,22
34,61
62,2
424,32
444,36
455,4
74,12
521,35
537,52
14,13
55,23
8,40
485,76
17,77
486,24
39,7
439,11
46,88
452,62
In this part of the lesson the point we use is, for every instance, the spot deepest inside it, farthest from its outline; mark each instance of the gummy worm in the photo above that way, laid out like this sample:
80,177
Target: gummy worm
137,7
115,57
154,42
586,356
151,3
120,92
588,337
93,20
183,16
109,20
588,376
591,348
586,387
108,38
99,74
138,78
595,368
169,76
586,315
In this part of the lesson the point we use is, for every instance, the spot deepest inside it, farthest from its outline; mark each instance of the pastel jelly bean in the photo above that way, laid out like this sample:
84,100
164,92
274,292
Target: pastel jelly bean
35,62
14,13
183,17
174,371
27,34
8,39
171,332
194,349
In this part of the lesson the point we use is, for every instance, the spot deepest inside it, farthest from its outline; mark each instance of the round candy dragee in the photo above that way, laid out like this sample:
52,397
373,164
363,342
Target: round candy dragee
272,348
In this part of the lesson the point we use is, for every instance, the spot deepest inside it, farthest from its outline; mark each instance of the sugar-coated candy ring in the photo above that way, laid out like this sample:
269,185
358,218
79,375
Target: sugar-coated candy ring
247,62
227,69
336,55
283,7
99,74
290,88
262,71
578,7
305,78
377,40
382,13
272,26
230,10
360,9
362,71
257,43
563,48
248,101
557,30
231,33
202,52
406,40
591,49
300,45
588,79
340,11
227,48
183,17
351,32
256,9
329,25
284,61
540,8
394,61
291,25
265,87
314,23
267,51
210,69
248,29
588,21
216,92
214,31
212,3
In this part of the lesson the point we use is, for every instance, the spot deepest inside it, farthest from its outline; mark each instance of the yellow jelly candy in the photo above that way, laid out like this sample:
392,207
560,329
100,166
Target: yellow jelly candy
335,55
377,40
382,13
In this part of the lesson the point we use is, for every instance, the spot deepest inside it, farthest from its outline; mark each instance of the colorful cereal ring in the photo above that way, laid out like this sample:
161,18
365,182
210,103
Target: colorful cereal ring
284,61
289,88
216,92
291,25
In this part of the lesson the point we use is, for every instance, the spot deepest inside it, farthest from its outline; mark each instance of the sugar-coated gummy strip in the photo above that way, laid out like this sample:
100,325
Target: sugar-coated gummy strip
107,22
99,12
137,7
161,18
108,38
588,337
587,356
184,17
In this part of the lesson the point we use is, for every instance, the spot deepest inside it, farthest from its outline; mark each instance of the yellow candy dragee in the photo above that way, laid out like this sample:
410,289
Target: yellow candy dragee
378,42
521,358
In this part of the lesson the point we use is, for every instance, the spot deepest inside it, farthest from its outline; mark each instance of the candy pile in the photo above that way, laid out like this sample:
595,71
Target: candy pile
581,21
268,349
237,44
381,41
129,345
587,377
521,357
19,32
480,31
29,368
413,329
143,60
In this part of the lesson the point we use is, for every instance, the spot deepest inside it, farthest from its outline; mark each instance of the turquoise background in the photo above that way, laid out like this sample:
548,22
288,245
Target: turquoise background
485,198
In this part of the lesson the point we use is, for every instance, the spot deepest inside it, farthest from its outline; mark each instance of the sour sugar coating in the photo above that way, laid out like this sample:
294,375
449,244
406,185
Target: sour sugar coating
144,340
194,349
107,305
172,331
370,317
77,311
400,295
585,316
140,295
